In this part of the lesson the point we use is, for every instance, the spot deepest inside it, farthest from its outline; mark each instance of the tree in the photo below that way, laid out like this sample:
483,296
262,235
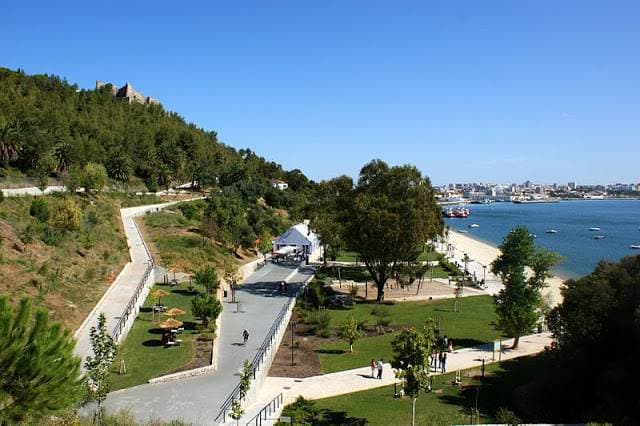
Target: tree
97,377
245,379
206,307
329,202
94,177
391,214
411,358
236,411
39,374
10,142
350,331
118,167
518,303
208,279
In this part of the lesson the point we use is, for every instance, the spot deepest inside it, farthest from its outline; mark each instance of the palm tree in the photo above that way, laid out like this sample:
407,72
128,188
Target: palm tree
10,143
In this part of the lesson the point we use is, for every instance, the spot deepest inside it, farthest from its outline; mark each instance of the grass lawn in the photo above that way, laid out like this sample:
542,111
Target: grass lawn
347,256
142,350
470,327
446,404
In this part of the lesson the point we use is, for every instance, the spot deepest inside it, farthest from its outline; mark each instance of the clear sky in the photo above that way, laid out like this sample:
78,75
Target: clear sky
478,90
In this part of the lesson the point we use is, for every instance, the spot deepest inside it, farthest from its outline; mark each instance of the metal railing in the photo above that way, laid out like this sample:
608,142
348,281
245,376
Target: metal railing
267,410
130,308
257,360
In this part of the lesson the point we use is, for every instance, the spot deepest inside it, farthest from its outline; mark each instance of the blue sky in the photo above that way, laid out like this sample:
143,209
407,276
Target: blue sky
492,91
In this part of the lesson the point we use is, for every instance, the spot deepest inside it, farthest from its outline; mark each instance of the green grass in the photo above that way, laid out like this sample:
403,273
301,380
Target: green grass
142,350
471,326
446,404
347,256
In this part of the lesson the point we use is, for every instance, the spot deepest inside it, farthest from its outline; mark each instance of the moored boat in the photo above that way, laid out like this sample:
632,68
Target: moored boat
598,237
594,229
635,246
474,225
551,231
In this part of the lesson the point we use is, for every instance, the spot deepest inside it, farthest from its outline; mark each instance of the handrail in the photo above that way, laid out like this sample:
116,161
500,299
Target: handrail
257,360
122,321
271,407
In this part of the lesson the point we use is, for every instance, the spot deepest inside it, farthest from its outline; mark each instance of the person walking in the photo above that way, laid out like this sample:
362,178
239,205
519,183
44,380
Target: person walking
434,360
450,346
374,367
245,336
443,363
379,365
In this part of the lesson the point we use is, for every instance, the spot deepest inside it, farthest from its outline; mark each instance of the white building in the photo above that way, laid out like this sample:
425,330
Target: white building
299,237
280,184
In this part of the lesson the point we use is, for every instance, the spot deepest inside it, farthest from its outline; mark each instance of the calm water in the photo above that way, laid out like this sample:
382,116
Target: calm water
619,222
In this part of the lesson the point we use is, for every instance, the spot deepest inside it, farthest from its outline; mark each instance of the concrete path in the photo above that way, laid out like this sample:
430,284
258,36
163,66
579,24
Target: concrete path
115,299
198,399
359,379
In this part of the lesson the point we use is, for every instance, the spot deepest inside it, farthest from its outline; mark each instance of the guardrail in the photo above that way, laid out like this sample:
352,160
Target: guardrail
122,321
257,360
267,410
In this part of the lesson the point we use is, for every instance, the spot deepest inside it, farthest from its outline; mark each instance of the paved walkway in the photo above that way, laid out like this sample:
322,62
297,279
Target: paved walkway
114,301
359,379
198,399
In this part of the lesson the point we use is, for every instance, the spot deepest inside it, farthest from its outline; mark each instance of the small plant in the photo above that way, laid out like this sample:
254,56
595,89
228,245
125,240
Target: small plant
381,314
39,209
350,332
323,321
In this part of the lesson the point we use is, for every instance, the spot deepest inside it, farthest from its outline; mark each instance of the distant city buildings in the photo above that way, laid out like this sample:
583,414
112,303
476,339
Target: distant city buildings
483,192
128,93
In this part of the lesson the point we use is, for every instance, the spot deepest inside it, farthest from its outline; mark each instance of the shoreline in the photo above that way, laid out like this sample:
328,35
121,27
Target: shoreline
483,253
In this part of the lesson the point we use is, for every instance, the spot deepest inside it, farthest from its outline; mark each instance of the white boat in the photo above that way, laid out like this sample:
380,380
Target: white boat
462,231
594,229
635,246
551,231
598,237
474,225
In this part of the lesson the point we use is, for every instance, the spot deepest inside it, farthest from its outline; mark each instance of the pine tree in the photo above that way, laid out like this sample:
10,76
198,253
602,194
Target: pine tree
39,374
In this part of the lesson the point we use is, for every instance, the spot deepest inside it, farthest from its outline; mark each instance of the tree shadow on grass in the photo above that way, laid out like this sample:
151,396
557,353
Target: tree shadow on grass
501,389
328,417
156,330
470,343
330,351
185,291
152,343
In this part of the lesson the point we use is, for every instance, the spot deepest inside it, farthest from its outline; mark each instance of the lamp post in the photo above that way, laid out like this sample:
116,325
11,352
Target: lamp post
484,274
293,326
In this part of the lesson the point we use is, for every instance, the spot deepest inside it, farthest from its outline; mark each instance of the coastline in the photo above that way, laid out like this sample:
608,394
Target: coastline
483,253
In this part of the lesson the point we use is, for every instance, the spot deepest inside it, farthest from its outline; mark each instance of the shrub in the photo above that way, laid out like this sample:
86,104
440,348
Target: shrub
323,321
67,218
381,314
315,294
94,177
302,412
1,196
39,209
189,211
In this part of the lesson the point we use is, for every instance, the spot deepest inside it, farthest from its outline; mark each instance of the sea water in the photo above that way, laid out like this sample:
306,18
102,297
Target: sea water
618,220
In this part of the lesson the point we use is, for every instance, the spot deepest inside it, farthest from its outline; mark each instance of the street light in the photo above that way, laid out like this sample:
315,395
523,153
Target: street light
484,274
293,326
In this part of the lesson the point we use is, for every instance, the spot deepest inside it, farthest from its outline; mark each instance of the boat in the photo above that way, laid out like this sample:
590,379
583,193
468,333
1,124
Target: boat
594,229
459,212
598,237
635,246
551,231
462,231
474,225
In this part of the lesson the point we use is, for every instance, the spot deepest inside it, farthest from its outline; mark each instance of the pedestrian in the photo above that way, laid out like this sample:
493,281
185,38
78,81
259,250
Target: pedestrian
443,363
245,336
374,367
440,360
379,365
445,340
450,346
434,360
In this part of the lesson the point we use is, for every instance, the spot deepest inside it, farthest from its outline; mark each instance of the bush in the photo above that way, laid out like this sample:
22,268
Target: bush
381,314
39,209
302,412
189,210
323,321
67,218
94,177
1,196
315,294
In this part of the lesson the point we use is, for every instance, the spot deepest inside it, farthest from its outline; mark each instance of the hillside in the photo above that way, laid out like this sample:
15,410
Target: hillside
49,127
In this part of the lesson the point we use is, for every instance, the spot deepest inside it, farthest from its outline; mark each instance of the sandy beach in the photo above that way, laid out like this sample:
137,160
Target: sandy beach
482,254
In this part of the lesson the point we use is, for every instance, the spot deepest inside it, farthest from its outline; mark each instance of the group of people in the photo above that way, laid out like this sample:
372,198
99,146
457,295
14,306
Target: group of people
376,368
439,359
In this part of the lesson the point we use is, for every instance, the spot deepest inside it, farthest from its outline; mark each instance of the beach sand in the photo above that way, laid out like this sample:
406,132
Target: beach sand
483,254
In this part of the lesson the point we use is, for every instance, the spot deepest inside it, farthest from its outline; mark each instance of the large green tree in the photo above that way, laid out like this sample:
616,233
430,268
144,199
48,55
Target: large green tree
326,212
523,269
39,374
10,142
391,214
